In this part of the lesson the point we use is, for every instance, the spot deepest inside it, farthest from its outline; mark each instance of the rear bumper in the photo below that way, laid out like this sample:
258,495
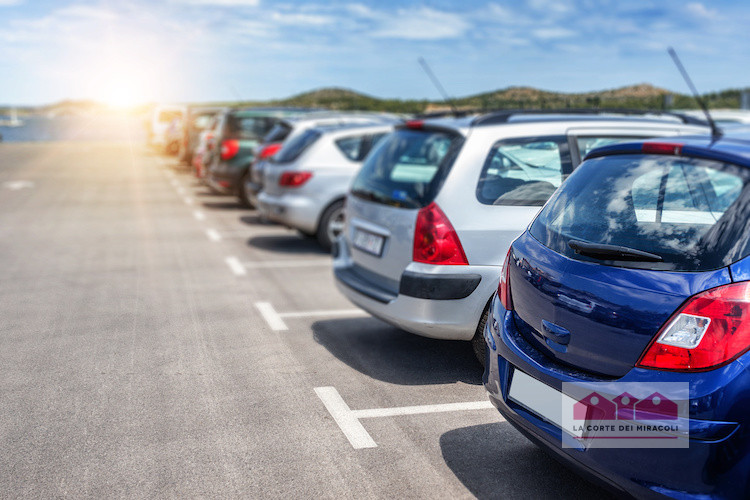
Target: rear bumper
299,212
444,302
224,177
716,464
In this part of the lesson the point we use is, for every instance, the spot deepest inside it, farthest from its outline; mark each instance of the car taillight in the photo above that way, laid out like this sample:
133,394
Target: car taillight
229,149
435,240
503,289
269,150
661,148
294,179
710,330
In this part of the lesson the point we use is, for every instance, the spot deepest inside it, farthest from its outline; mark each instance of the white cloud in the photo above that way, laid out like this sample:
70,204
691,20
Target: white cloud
421,24
221,3
552,33
701,11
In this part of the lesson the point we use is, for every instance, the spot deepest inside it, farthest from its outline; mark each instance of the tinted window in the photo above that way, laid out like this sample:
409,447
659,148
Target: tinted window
695,214
351,147
523,172
278,133
249,127
407,168
292,150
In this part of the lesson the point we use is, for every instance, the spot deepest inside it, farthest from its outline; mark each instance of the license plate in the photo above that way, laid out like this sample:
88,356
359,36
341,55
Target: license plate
368,242
543,400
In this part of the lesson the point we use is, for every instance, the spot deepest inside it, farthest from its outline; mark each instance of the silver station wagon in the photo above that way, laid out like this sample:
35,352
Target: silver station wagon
436,205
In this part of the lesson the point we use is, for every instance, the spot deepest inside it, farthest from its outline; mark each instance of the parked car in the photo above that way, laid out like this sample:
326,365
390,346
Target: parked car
286,130
237,134
163,118
196,121
205,145
306,182
434,208
636,272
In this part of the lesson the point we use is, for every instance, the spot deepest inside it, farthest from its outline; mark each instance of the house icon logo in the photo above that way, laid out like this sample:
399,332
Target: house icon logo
596,407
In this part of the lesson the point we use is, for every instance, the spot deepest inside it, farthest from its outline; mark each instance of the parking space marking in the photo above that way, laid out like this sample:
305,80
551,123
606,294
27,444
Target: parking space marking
354,431
188,200
287,263
199,215
275,319
271,316
348,420
235,266
213,235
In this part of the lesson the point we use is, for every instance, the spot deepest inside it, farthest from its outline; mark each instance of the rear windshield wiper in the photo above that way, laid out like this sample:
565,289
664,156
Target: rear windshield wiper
612,252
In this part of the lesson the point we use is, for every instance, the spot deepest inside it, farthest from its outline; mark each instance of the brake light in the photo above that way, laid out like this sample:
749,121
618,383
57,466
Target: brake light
415,124
229,149
661,148
503,289
294,179
269,150
710,330
435,240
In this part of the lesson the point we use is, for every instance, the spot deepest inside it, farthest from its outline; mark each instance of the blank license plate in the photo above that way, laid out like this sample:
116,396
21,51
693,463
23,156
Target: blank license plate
547,402
368,242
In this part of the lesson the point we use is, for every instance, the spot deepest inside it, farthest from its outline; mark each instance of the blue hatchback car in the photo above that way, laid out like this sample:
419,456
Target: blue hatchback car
636,271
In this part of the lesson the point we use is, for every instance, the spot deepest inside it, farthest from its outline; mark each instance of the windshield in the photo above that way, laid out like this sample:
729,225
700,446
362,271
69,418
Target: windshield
408,167
693,214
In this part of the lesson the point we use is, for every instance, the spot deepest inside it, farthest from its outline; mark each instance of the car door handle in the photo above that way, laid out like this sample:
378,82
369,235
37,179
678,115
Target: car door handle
555,333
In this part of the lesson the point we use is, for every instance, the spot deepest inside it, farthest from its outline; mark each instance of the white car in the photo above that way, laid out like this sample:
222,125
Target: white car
433,211
163,119
306,182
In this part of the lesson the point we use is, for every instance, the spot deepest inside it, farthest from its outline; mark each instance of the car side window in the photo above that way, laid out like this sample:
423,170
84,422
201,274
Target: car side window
351,147
523,171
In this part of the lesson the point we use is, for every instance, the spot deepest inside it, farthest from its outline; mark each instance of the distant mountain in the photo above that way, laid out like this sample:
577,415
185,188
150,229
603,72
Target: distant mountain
639,96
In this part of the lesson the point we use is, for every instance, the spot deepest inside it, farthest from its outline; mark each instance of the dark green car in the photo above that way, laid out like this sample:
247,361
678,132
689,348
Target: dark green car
238,134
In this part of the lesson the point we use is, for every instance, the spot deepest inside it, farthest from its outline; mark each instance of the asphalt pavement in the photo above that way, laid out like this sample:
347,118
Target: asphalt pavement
160,341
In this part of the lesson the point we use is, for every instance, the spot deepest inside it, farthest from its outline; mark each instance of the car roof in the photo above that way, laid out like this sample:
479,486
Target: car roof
270,111
733,147
332,116
511,117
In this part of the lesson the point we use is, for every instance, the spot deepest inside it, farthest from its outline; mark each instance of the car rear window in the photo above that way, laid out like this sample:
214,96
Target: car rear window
692,213
249,127
408,167
352,147
293,149
278,133
523,171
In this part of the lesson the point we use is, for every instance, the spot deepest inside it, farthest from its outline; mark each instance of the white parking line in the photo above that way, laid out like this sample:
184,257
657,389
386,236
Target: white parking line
213,235
188,200
271,316
276,322
235,266
287,263
180,190
343,416
348,420
200,216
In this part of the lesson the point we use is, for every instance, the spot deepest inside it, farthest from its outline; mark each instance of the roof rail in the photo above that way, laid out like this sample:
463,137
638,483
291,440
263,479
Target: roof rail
448,114
504,115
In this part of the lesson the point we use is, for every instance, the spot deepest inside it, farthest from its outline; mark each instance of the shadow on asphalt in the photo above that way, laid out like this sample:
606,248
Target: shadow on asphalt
224,205
255,219
386,353
496,461
289,244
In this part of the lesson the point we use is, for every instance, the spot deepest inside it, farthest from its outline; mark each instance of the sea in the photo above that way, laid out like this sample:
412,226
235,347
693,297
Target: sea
105,127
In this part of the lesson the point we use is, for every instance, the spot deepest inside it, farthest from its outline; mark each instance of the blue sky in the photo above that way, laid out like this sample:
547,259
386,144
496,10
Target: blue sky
196,50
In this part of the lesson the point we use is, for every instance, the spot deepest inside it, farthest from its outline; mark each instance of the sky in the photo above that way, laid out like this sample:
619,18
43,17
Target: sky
128,51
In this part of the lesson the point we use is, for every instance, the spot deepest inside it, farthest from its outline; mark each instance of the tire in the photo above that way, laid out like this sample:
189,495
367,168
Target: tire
242,193
478,343
331,224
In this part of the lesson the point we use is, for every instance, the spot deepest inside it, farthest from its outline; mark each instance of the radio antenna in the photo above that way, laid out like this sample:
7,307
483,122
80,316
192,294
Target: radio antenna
715,131
439,87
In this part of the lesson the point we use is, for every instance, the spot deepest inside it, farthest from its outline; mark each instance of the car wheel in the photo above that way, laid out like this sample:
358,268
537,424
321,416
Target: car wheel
478,343
242,192
331,224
